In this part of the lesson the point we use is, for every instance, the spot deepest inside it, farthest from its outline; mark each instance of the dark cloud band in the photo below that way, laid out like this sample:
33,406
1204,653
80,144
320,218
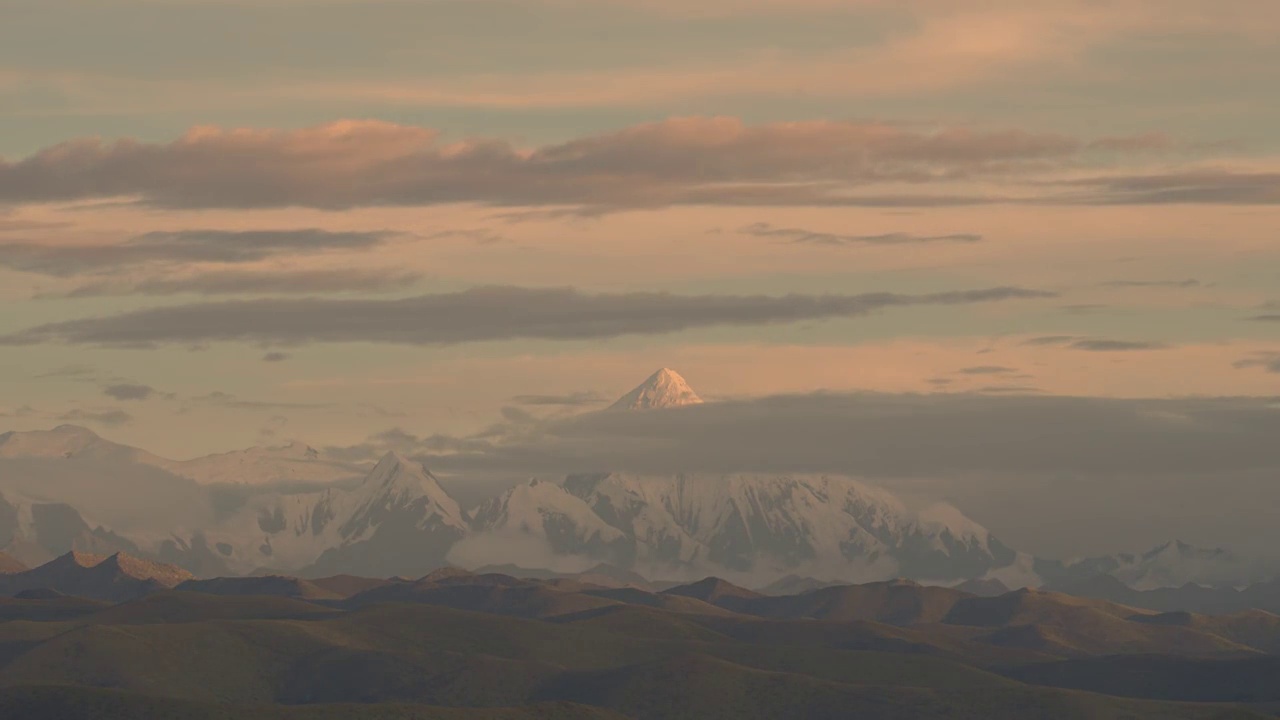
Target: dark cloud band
188,246
694,160
480,314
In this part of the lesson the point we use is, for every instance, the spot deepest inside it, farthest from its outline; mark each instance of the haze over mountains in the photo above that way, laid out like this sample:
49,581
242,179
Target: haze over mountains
293,510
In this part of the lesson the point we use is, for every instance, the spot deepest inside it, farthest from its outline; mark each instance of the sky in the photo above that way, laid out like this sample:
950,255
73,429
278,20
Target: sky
454,226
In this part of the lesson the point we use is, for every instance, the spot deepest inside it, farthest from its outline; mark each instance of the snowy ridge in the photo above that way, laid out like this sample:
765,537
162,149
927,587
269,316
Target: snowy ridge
759,526
544,509
1170,564
68,442
295,462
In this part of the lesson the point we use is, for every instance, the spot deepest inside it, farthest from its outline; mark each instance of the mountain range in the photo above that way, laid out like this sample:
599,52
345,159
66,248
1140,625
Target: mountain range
292,510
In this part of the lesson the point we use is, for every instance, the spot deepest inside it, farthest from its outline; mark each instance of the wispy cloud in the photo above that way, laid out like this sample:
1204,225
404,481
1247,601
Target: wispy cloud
480,314
256,282
987,370
1178,187
188,246
128,391
227,400
576,399
812,237
109,418
1268,361
69,371
1116,345
1049,340
1074,342
1188,283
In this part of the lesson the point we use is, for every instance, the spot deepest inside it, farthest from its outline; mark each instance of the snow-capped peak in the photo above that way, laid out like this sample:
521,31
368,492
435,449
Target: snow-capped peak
665,388
294,462
397,481
944,516
395,469
1180,550
69,441
60,441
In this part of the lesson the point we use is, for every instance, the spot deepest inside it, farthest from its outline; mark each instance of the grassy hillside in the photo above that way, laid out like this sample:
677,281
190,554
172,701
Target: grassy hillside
70,703
521,648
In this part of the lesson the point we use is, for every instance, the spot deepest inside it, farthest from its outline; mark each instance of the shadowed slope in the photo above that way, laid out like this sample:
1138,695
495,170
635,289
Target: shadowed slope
114,578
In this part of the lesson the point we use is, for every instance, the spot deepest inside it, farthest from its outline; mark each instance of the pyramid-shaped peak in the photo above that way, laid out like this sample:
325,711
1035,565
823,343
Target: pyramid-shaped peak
711,589
80,559
393,462
139,569
395,469
74,430
447,574
1177,548
663,389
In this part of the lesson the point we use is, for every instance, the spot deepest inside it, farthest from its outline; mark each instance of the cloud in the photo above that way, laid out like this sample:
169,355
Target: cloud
186,246
109,418
275,357
1220,187
69,371
227,400
1008,390
480,236
691,160
811,237
8,225
1048,340
903,435
476,315
1093,344
987,370
260,282
1267,361
1188,283
1116,345
1084,308
577,399
128,391
1266,318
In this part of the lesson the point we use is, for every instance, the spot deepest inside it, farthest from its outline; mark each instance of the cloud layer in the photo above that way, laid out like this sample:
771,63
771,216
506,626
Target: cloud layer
886,435
801,236
187,246
480,314
692,160
258,282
